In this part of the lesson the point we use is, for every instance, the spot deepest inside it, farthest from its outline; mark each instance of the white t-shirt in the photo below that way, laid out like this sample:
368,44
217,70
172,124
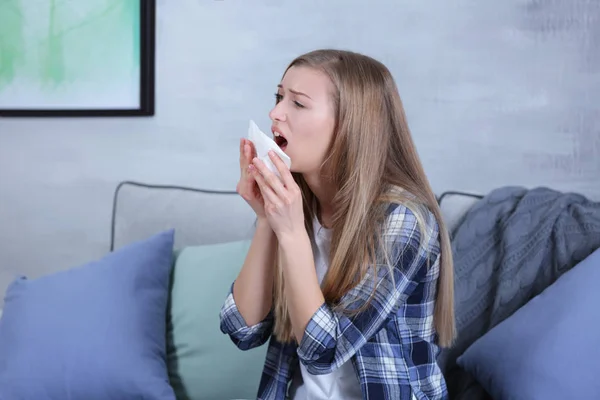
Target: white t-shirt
342,383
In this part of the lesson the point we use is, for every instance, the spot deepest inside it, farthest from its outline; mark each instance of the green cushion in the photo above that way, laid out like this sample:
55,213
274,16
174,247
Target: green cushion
203,362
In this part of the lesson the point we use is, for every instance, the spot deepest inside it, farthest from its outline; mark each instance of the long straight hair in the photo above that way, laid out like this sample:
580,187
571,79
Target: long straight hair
371,154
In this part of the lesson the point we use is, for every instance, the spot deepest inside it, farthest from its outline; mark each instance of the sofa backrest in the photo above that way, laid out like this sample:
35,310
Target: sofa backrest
199,216
205,216
454,206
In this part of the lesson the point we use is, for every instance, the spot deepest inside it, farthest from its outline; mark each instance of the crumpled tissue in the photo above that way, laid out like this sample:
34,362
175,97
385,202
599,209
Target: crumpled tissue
262,144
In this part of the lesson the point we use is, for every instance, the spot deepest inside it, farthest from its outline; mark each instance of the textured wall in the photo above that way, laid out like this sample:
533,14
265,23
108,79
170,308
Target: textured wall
497,93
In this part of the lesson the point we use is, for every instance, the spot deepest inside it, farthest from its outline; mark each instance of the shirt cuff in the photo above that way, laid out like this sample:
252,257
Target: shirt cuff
233,323
319,335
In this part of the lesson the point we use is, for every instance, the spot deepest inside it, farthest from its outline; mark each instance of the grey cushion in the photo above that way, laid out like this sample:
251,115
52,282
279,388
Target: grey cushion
454,206
199,216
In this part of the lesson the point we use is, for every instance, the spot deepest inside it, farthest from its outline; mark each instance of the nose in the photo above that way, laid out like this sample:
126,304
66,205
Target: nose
277,113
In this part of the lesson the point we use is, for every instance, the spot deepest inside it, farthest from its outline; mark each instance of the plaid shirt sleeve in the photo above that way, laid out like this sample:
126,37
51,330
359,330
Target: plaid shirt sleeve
233,324
331,338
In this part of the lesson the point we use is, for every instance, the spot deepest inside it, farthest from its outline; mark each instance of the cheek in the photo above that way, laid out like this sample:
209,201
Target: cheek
321,129
316,140
312,136
323,135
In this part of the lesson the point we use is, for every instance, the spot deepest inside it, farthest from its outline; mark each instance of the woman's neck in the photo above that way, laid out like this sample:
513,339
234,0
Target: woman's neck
324,196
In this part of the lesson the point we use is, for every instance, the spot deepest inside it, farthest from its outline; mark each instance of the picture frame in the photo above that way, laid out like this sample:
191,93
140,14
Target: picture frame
78,59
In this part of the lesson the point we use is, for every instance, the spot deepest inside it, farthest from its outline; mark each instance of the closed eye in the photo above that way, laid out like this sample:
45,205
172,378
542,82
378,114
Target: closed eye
279,97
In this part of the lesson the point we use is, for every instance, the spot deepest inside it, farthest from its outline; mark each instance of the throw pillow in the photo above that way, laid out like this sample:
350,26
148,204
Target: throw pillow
548,349
96,331
203,362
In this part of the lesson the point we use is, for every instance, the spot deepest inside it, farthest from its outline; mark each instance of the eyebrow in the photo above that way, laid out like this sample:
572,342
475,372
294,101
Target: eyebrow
295,92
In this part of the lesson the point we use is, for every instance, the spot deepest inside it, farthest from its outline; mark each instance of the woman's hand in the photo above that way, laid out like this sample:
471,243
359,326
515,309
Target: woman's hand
285,214
247,187
282,198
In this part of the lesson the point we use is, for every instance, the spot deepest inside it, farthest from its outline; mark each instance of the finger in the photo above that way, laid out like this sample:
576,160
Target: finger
250,176
252,151
284,171
271,179
247,153
242,154
265,188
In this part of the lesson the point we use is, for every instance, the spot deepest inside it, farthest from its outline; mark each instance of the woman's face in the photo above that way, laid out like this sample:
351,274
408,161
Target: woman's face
303,118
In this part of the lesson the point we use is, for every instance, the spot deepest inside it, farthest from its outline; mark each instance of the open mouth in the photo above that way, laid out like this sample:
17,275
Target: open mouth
281,142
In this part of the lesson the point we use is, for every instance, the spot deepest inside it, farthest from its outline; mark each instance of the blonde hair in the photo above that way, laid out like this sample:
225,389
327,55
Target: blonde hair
373,152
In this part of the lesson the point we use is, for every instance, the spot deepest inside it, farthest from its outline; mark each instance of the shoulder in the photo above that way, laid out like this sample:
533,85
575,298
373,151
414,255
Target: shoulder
411,239
411,224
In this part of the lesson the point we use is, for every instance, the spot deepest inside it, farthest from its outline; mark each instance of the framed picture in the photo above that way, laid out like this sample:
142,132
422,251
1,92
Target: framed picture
70,58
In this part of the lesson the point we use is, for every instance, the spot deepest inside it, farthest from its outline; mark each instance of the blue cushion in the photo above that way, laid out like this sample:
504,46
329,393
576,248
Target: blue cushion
96,331
550,348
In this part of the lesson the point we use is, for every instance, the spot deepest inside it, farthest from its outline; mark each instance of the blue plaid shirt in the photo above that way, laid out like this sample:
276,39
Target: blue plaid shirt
392,344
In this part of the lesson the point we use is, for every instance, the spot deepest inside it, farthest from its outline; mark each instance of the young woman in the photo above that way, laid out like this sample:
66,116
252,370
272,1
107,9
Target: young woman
349,272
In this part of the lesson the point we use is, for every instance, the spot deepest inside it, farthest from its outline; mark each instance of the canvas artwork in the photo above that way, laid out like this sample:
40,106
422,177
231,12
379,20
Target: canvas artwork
76,58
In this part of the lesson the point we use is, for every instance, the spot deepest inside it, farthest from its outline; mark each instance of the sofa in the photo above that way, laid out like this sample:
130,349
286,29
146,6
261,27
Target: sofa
527,322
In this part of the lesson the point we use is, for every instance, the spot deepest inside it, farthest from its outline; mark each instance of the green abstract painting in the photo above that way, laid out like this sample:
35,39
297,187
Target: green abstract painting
74,57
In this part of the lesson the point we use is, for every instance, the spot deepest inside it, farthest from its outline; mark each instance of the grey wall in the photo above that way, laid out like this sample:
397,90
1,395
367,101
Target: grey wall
497,93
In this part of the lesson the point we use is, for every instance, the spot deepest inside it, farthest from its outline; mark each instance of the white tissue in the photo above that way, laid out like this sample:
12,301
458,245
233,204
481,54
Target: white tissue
263,144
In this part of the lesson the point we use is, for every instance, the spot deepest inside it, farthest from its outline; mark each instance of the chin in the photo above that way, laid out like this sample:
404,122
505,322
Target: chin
296,169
